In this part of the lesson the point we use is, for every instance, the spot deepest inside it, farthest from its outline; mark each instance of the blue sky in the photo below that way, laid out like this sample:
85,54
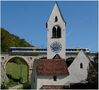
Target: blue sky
27,20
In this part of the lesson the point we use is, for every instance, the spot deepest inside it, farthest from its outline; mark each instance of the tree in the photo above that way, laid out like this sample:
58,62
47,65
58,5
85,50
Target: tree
92,75
9,40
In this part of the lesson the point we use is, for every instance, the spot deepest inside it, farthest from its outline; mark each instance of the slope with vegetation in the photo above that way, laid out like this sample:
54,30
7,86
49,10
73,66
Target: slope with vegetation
9,40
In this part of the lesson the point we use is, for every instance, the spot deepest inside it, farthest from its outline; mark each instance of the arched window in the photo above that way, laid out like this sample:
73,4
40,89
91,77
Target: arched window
56,32
81,65
56,19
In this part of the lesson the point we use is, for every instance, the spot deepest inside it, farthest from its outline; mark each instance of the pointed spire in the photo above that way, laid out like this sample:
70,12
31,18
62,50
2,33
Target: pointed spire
60,11
56,11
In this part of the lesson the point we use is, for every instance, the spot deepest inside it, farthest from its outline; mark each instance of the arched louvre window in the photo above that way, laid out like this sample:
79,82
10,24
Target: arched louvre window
56,32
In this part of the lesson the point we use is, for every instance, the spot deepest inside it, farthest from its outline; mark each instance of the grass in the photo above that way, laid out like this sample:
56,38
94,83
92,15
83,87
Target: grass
17,71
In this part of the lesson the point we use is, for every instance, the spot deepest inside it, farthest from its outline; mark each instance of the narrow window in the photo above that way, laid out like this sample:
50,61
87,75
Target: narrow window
81,65
46,25
54,32
55,78
56,19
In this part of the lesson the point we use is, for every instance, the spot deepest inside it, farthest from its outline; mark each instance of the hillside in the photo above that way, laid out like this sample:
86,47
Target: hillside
10,40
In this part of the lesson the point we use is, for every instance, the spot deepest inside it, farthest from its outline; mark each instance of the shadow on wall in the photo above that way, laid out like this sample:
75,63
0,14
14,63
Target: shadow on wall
69,61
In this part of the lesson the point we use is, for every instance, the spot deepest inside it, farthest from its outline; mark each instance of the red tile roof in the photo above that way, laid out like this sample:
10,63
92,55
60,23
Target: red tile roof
51,67
52,87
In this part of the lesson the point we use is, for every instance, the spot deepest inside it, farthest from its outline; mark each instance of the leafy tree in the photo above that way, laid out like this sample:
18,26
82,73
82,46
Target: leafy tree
93,74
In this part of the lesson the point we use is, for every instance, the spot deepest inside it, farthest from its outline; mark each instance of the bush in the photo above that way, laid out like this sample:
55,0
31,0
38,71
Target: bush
26,85
4,85
21,80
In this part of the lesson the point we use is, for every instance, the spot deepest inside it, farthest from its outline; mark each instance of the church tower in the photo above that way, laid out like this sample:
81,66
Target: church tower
56,34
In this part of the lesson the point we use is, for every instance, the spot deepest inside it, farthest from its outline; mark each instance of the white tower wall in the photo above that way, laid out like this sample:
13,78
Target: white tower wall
51,23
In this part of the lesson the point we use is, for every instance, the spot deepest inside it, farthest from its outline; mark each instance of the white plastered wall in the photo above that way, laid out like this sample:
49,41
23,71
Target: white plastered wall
78,74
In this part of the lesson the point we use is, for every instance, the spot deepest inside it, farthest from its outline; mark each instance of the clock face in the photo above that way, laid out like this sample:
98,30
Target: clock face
56,47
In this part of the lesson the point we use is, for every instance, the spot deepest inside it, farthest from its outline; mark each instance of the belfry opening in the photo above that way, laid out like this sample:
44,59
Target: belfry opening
56,32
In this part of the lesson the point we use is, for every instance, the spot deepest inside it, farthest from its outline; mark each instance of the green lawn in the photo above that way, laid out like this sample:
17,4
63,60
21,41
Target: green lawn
17,70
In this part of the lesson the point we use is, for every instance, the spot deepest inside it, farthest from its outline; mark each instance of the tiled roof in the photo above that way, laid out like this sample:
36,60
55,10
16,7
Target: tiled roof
51,67
52,87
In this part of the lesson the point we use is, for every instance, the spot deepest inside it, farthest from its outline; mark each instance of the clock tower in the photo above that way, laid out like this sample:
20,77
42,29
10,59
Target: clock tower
56,34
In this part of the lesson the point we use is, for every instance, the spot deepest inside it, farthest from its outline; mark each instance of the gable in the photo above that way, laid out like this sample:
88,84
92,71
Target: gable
79,68
81,58
56,13
57,56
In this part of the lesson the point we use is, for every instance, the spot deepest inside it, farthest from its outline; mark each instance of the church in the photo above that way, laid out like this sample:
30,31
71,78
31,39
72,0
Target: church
53,72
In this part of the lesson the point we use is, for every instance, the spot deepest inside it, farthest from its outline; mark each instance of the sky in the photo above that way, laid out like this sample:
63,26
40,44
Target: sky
27,19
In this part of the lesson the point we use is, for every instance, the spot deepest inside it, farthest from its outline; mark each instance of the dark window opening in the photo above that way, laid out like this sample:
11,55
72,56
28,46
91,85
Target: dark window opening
56,19
55,78
2,57
56,32
81,65
31,58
